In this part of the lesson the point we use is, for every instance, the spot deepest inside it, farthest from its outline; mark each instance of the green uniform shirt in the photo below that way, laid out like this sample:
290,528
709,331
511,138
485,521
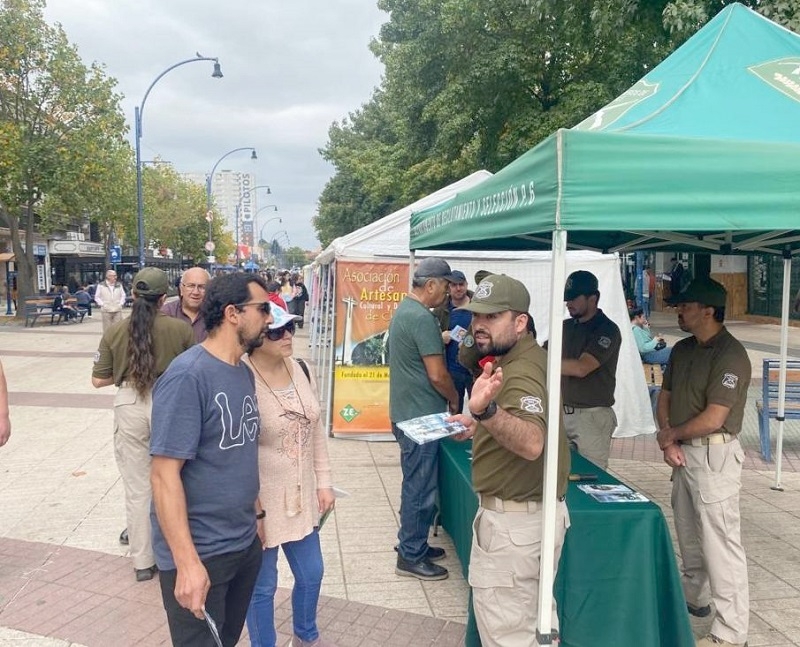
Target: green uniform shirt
496,471
170,336
717,372
413,334
600,337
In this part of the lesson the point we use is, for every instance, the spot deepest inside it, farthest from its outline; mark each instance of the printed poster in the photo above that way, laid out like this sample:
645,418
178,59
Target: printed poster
367,294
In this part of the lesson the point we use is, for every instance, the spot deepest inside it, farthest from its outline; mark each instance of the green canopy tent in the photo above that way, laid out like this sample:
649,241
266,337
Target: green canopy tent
702,154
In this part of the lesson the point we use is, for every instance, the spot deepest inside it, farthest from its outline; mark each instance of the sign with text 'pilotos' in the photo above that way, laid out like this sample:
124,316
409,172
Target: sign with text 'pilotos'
367,296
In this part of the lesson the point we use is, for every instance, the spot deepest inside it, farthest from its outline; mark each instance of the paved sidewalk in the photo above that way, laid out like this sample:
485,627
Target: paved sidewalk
65,580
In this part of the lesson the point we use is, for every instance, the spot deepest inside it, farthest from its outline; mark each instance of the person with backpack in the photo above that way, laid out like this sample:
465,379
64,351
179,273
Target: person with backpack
296,488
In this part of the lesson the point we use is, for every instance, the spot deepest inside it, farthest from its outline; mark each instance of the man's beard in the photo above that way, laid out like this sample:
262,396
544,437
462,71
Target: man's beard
249,345
495,348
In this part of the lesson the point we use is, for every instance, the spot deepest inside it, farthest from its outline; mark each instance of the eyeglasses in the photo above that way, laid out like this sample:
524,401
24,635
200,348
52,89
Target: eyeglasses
200,287
277,333
261,305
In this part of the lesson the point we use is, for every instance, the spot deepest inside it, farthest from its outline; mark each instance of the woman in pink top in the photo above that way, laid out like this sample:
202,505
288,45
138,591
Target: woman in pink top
295,486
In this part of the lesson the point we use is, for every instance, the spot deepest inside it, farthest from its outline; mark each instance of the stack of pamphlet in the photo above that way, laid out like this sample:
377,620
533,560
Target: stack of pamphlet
428,428
612,493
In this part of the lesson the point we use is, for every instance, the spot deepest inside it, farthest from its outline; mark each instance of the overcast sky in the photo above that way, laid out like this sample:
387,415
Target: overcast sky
291,67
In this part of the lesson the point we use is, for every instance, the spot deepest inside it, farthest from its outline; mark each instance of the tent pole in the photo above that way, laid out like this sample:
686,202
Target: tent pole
412,260
545,634
329,347
787,277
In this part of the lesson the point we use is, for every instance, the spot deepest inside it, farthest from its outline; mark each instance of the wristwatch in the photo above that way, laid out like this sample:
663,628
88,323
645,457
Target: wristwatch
490,410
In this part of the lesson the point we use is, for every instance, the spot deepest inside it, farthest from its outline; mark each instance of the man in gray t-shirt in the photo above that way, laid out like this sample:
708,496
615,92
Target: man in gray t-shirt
419,384
205,468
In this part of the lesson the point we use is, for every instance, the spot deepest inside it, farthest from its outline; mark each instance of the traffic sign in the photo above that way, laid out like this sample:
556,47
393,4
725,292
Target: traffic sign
210,246
115,254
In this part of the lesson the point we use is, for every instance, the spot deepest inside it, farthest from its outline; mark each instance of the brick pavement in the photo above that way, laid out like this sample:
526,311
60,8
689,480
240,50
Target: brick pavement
64,580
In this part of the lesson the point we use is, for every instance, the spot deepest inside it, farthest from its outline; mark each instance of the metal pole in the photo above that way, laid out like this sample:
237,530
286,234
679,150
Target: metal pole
138,111
139,192
237,237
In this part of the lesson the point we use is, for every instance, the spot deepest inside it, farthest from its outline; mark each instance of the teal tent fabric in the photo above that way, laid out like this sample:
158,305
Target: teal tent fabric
702,154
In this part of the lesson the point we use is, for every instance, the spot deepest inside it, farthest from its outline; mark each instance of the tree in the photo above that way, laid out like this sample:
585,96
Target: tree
471,85
175,214
60,124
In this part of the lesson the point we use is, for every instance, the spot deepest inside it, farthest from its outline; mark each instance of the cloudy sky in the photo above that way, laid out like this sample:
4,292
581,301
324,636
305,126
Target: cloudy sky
291,67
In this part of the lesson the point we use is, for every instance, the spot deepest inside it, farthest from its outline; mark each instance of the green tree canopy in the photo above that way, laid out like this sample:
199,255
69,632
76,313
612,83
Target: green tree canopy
473,84
62,150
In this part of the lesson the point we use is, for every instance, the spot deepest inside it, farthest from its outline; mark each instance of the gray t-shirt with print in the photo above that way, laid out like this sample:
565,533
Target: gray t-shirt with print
205,412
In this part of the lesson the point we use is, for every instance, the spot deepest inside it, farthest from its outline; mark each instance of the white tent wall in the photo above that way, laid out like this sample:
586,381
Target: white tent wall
632,408
534,269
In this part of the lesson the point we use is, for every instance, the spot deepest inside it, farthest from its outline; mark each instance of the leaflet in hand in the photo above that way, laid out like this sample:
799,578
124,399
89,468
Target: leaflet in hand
458,333
612,493
431,427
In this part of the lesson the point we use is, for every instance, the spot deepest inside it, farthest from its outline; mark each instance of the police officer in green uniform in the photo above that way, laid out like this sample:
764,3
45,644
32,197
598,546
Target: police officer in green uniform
700,411
133,353
589,369
509,422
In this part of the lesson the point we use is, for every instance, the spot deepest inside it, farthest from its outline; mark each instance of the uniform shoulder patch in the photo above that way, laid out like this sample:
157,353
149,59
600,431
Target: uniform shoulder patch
531,404
604,342
96,356
730,380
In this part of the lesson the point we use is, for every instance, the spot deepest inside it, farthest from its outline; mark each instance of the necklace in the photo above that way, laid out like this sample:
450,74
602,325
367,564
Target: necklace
272,391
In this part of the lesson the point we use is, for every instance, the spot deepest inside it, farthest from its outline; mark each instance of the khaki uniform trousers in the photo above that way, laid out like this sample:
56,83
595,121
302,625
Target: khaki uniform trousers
705,502
589,432
504,573
110,318
132,451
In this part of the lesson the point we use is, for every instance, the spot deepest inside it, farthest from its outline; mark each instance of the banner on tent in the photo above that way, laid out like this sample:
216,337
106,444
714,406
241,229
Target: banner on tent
367,296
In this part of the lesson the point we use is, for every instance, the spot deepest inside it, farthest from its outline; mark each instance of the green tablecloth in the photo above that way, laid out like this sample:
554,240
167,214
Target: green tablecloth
617,582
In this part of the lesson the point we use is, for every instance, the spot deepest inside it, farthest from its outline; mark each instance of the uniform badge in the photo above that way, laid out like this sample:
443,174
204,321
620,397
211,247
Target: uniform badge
730,380
469,341
96,356
531,404
604,342
484,290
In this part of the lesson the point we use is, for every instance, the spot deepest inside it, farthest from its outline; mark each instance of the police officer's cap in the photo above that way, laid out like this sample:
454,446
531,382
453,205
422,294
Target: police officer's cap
704,291
498,293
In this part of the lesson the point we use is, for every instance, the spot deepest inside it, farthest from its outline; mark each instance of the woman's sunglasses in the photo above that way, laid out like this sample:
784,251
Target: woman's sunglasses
277,334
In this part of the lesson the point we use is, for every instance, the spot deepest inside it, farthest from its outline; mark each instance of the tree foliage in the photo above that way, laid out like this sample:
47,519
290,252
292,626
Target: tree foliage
175,214
472,84
62,151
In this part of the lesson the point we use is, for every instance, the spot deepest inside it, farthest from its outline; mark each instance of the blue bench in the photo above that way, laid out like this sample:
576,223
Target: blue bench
767,406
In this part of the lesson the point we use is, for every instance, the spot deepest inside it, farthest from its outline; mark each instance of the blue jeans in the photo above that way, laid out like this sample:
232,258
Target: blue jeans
463,382
646,307
420,466
305,560
658,356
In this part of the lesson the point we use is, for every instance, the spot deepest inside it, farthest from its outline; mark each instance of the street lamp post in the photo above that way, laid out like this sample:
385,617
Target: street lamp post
246,194
209,180
137,124
261,231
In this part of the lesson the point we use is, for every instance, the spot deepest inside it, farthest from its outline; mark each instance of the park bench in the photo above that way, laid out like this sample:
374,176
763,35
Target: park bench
38,306
767,406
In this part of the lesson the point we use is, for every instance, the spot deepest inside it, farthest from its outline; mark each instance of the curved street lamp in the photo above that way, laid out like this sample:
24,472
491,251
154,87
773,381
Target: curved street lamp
137,123
209,181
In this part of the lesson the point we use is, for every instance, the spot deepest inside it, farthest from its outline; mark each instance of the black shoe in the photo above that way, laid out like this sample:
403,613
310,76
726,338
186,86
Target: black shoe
423,570
699,612
145,574
123,537
434,554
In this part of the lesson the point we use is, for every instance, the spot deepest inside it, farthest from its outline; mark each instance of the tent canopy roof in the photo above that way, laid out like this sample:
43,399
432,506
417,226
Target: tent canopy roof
703,154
